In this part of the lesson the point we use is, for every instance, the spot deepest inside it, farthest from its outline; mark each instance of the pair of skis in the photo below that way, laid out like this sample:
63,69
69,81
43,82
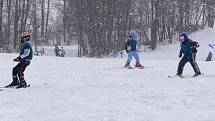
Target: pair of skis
173,76
181,76
13,87
130,67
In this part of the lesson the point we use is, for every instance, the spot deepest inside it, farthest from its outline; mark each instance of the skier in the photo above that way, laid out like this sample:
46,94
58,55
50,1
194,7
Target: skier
130,48
57,51
62,52
210,55
42,51
23,60
188,49
115,53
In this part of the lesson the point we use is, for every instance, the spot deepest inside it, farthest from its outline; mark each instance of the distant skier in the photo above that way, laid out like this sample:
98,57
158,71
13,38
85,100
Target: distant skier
57,50
188,49
62,52
130,48
210,55
115,53
23,60
42,51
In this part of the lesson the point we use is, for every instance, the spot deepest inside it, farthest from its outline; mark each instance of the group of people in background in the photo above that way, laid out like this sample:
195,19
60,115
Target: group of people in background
59,52
40,51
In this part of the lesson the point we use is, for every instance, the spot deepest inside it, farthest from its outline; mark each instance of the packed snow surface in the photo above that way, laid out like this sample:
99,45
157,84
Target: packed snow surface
92,89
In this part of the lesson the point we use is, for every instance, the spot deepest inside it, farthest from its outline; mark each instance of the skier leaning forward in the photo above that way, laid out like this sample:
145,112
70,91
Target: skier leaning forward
188,49
23,60
132,51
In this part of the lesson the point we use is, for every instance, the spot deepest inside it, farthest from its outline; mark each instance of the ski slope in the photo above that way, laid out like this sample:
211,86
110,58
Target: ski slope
90,89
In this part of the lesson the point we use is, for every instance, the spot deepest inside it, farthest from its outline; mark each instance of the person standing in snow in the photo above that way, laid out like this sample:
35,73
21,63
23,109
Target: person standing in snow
188,50
62,52
130,48
24,59
57,51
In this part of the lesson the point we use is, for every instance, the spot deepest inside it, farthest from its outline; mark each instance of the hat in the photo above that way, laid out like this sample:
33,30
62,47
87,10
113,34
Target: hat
132,34
185,35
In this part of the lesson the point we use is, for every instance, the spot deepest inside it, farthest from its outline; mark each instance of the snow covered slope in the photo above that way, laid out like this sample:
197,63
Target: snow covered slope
88,89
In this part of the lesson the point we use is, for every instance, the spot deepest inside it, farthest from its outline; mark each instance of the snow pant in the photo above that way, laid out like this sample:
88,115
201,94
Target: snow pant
136,56
191,60
18,70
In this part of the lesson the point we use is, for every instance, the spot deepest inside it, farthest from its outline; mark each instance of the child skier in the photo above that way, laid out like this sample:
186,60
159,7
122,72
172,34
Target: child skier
188,49
130,47
23,60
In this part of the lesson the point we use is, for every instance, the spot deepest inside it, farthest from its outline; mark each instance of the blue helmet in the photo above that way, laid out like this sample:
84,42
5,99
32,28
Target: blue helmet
185,35
132,34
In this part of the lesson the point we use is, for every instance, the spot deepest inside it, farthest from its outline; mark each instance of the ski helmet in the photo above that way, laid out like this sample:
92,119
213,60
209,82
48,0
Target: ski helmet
185,35
25,34
132,34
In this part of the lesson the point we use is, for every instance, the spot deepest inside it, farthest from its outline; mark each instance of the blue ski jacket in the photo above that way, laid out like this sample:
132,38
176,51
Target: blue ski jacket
26,52
132,43
188,47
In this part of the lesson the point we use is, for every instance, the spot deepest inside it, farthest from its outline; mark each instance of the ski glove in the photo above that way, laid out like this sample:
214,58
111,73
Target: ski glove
16,59
194,44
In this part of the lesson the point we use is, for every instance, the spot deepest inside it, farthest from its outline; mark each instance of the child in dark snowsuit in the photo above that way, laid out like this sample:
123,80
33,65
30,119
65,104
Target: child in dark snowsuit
188,49
23,60
57,51
132,51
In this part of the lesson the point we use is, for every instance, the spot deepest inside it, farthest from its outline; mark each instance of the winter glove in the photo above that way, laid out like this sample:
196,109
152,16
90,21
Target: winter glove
16,59
129,48
194,44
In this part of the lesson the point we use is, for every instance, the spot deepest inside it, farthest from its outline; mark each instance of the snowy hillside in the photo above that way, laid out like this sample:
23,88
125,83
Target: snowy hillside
88,89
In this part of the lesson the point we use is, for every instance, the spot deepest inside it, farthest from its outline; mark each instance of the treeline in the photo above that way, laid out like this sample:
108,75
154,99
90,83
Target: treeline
17,16
101,26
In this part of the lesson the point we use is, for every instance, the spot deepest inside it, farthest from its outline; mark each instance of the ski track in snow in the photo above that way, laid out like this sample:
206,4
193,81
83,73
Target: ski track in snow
89,89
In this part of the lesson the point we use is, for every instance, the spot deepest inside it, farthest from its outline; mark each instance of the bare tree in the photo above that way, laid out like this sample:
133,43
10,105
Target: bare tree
1,31
47,22
211,12
101,26
42,19
64,20
8,25
16,24
35,24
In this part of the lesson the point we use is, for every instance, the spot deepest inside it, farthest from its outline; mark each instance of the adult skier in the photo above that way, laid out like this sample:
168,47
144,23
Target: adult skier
188,50
24,59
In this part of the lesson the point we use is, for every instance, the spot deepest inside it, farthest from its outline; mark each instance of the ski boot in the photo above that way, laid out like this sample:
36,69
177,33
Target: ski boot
127,65
12,84
197,74
15,82
22,84
179,75
139,66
